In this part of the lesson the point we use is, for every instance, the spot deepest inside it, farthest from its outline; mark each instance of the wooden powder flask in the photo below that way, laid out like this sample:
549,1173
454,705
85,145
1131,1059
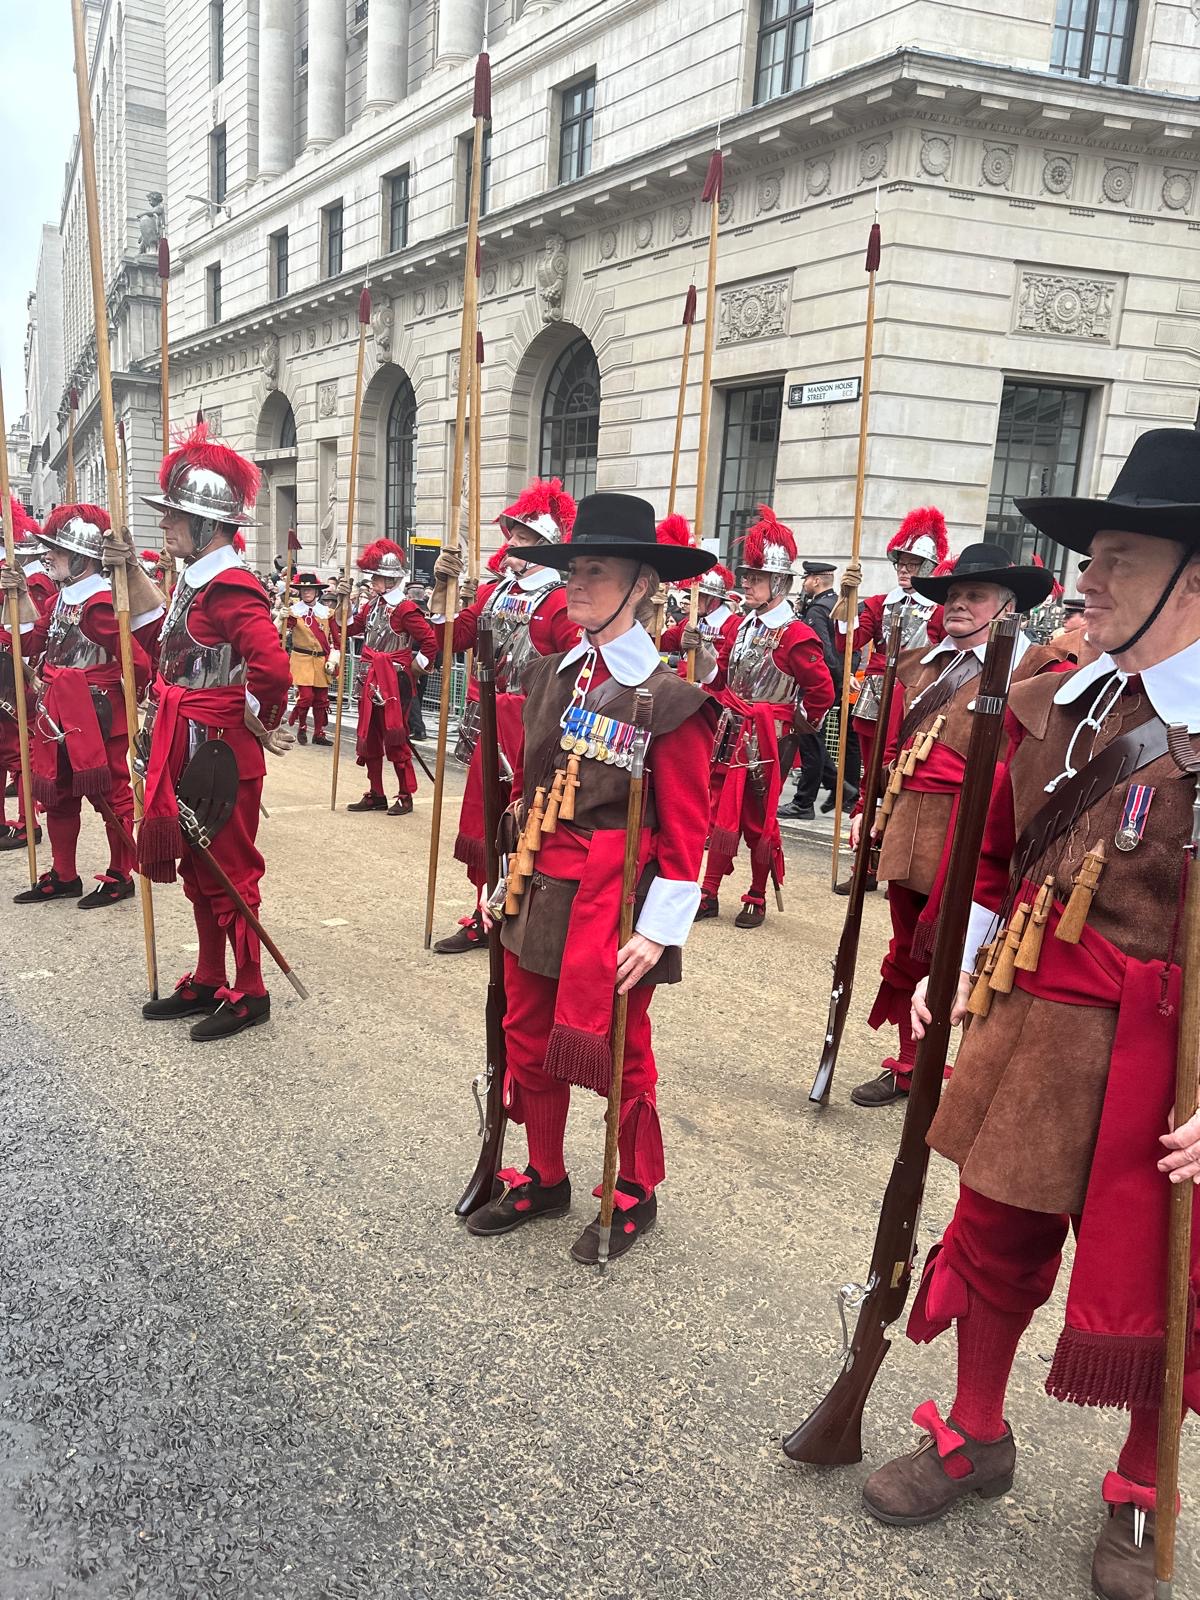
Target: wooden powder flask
1004,974
1030,952
980,1002
566,810
554,802
1087,881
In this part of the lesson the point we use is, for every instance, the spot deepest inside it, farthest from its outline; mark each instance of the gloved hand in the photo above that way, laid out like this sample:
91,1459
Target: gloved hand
333,661
851,577
117,552
692,639
279,741
342,588
449,564
468,589
706,663
12,581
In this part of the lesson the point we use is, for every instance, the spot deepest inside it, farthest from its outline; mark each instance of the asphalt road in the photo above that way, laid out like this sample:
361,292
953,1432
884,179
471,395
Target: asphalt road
246,1351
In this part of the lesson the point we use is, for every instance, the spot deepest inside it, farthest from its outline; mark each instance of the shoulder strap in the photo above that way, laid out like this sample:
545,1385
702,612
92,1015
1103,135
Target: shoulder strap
930,701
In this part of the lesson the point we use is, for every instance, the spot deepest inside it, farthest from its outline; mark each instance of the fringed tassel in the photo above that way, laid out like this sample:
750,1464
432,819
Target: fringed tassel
91,781
1030,952
724,841
1087,879
471,853
584,1059
1096,1369
1004,974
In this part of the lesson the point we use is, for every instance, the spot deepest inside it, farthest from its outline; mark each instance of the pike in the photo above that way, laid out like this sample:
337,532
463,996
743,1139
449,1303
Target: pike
474,480
689,319
364,322
124,474
850,601
14,634
164,304
293,547
120,577
832,1434
711,193
847,952
482,112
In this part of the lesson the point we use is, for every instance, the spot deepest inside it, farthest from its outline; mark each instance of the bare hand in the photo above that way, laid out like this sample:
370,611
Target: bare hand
856,827
1182,1160
635,960
12,581
449,564
920,1014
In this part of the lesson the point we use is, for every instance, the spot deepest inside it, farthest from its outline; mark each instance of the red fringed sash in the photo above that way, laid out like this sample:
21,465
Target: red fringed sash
67,701
160,839
382,674
469,845
727,823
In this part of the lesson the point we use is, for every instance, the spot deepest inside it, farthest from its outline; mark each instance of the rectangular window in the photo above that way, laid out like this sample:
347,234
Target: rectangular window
485,180
575,135
212,281
396,187
331,240
1038,446
783,30
1094,39
218,164
749,450
279,264
216,34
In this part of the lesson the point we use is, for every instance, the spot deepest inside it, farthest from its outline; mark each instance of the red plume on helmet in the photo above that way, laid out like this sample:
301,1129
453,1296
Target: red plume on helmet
544,497
495,561
239,543
1058,591
374,554
674,530
768,530
922,533
62,515
197,450
23,524
150,555
944,568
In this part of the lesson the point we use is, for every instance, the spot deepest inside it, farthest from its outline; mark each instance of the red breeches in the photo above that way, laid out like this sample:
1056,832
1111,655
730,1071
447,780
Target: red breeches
374,753
63,816
755,831
217,921
866,732
314,700
10,763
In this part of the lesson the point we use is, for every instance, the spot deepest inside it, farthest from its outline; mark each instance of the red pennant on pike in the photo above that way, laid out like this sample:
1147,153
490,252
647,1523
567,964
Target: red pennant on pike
689,306
364,306
715,178
478,349
164,259
874,248
293,542
482,106
121,430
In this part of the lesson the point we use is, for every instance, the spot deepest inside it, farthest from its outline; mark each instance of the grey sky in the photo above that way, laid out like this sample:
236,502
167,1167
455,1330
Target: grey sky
37,125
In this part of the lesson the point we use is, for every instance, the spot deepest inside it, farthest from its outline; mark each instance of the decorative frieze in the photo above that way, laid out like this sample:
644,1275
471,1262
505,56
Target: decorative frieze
873,159
1063,306
327,399
1058,173
936,154
1116,186
997,164
552,277
1178,188
817,176
753,311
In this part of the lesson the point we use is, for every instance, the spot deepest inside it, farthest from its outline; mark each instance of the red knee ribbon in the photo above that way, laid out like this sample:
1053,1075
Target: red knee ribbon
947,1440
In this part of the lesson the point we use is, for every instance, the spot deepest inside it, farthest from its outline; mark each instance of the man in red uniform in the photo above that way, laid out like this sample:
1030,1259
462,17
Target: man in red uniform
562,962
222,674
41,589
929,734
313,631
395,635
717,625
528,608
776,680
1058,1112
80,742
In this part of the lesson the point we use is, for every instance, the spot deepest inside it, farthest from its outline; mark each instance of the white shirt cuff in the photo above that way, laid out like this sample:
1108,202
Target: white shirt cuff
982,928
420,661
669,910
712,674
28,627
144,618
253,702
436,619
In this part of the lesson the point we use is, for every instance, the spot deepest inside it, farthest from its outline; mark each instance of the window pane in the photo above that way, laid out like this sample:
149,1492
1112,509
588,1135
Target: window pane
571,420
400,478
749,451
1038,446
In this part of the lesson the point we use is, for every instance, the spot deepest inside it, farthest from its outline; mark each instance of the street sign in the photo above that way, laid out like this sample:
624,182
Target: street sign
830,393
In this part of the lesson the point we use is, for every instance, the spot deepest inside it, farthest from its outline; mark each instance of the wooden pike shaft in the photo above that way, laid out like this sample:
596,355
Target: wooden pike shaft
680,409
852,596
474,485
466,359
351,497
287,585
87,156
125,484
14,633
710,339
165,340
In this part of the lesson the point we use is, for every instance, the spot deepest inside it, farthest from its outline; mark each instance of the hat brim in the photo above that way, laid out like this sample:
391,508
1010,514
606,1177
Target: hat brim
670,561
160,503
1074,523
1031,585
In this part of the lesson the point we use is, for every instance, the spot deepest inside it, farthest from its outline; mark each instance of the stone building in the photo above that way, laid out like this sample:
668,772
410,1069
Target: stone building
19,478
125,40
44,373
1036,178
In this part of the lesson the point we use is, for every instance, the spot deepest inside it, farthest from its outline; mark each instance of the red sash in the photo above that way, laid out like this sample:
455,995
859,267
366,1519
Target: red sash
67,702
383,674
941,773
469,845
160,838
727,823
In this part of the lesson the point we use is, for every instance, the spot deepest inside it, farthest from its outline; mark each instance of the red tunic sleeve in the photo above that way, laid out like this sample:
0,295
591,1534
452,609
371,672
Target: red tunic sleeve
98,622
679,764
552,631
801,655
408,618
233,608
466,624
671,642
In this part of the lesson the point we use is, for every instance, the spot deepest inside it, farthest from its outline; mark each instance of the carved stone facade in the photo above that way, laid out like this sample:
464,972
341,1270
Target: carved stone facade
752,311
1066,307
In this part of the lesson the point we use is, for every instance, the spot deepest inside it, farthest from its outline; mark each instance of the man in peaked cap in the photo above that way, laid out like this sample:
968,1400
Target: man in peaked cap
1058,1113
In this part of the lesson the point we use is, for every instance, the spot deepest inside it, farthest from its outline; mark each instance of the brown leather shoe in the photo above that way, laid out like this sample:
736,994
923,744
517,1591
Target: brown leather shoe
709,907
634,1213
885,1090
920,1488
469,936
1121,1568
369,802
753,913
401,806
524,1198
844,887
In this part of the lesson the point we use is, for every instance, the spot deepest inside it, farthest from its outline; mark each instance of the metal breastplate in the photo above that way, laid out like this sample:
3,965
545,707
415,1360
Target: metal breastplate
378,634
512,611
67,646
192,665
914,635
753,674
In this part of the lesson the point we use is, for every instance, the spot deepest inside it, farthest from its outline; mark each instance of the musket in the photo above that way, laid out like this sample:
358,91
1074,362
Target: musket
120,577
20,704
711,193
850,601
1179,1228
488,1086
847,951
364,322
832,1434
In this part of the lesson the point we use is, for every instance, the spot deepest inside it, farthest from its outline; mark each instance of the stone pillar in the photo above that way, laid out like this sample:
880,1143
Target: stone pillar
460,29
326,72
387,53
276,87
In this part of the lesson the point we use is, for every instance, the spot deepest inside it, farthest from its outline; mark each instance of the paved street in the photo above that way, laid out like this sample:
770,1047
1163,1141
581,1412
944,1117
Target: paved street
246,1351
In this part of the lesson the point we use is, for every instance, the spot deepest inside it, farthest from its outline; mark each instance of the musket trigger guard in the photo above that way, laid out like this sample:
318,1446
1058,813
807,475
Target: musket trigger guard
849,1298
477,1082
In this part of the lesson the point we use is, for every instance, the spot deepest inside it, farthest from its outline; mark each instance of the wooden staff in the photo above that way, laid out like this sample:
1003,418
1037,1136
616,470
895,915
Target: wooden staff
850,596
364,322
475,478
1179,1247
14,633
482,111
164,305
689,318
72,408
294,545
124,474
711,193
643,706
120,577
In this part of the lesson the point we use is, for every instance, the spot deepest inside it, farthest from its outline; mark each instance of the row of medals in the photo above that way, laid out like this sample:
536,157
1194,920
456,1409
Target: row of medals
597,738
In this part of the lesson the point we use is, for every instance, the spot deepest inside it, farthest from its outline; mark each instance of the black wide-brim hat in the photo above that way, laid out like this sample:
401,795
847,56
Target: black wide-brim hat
989,563
623,526
308,580
1157,492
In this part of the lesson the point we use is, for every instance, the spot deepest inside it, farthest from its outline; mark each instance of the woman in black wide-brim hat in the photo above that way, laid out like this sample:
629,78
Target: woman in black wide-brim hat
562,962
1058,1112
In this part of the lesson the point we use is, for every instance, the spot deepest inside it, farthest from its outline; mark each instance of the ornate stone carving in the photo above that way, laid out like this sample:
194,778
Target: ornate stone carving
489,281
419,303
681,222
817,175
213,417
996,165
1058,173
873,159
441,296
516,275
270,361
1179,185
311,338
936,154
296,342
327,331
453,371
1116,186
770,188
1066,307
752,311
725,208
343,327
327,399
643,232
152,224
383,324
552,277
608,244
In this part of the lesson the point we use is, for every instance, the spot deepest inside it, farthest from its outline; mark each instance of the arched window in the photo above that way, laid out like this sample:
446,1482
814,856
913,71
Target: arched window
398,511
287,430
571,420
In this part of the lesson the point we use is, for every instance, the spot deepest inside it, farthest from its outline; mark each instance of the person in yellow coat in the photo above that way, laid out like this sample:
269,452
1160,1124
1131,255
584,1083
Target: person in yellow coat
313,640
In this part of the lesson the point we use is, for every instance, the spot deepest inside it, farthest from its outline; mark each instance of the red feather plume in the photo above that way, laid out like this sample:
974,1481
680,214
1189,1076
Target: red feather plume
674,530
925,522
61,515
239,543
542,497
496,559
374,554
22,522
197,450
768,530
